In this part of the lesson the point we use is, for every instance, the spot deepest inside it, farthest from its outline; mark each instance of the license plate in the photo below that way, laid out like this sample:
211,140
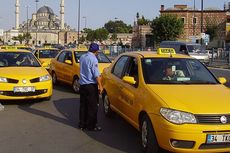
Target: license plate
24,89
218,138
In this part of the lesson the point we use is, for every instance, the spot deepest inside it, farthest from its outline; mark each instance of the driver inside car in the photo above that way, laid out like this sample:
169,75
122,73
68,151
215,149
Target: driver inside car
172,74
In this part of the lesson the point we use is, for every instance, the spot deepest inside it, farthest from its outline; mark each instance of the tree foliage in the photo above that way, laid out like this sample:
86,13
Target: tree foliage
118,27
98,34
25,37
166,27
211,28
143,21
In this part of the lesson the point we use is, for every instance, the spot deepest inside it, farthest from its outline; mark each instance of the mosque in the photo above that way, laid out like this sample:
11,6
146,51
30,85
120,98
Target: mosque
44,27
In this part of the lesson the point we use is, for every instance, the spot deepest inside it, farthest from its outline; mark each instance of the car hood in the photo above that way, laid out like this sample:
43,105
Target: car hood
196,99
101,66
22,72
45,60
199,55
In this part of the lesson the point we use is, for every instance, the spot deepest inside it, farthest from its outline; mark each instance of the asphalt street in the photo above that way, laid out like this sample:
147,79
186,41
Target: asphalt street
51,127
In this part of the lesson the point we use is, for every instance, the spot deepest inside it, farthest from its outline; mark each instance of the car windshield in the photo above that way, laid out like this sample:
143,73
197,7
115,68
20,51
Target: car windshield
48,53
101,57
195,48
18,59
176,71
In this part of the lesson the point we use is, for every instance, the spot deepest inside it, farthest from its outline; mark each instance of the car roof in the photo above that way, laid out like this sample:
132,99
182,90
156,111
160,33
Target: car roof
150,54
15,50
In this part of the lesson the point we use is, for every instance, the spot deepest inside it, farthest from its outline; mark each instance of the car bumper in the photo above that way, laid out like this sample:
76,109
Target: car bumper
188,138
42,90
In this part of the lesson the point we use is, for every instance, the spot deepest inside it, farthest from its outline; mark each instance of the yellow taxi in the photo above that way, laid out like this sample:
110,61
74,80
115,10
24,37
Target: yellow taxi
173,100
21,47
45,55
22,76
65,67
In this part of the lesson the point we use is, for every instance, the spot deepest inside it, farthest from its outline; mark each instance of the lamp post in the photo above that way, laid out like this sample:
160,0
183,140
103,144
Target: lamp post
84,17
201,22
194,7
36,23
78,31
27,26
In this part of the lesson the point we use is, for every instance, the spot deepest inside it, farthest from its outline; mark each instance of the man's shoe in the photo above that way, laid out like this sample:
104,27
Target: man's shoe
81,127
96,128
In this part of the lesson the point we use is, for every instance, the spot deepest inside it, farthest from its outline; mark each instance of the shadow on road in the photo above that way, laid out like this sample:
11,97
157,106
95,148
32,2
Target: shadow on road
115,133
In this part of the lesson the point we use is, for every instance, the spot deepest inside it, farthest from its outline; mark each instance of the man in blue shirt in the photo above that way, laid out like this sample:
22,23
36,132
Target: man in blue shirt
90,88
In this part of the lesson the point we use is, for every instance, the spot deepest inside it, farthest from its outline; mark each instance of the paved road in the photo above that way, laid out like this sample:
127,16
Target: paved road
51,127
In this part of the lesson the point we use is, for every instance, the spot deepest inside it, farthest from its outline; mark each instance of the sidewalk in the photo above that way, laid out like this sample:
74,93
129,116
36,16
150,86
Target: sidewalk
219,64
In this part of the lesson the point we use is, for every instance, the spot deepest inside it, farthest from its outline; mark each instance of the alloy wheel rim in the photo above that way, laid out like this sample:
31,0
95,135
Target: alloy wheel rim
144,133
54,78
106,104
76,85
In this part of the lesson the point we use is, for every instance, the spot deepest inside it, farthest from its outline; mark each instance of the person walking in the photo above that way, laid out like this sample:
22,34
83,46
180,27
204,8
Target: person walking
90,88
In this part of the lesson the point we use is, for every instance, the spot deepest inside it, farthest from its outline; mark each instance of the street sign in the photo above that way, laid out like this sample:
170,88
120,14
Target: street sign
206,38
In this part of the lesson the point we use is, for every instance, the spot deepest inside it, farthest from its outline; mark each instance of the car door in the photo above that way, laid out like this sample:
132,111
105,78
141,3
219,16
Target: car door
68,69
130,94
59,66
114,81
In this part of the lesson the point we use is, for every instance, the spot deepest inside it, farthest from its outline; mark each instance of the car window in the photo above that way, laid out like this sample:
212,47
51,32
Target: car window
176,71
61,57
119,66
68,55
132,68
48,53
101,57
18,59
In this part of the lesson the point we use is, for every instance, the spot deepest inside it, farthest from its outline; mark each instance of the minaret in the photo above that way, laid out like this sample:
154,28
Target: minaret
62,11
17,14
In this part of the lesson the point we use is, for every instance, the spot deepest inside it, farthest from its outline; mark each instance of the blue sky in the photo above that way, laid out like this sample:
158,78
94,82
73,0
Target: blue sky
97,12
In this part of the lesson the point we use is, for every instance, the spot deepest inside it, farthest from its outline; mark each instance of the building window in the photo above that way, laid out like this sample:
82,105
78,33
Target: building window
194,20
183,20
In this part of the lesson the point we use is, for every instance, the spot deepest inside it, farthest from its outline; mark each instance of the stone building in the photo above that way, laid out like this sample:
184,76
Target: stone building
44,26
192,20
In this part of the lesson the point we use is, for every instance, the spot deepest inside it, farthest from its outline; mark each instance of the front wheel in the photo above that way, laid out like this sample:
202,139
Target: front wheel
148,139
76,85
54,78
106,105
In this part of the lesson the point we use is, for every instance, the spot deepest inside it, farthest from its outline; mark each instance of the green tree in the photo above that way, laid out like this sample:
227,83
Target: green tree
143,21
166,27
98,34
118,27
19,38
27,36
114,37
211,28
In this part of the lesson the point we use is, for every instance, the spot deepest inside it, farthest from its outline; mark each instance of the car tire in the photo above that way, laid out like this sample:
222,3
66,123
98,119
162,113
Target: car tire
148,138
54,78
76,85
106,106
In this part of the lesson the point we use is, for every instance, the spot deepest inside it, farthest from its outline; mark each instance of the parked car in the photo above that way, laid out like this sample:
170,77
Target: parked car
65,67
22,76
45,55
192,49
186,112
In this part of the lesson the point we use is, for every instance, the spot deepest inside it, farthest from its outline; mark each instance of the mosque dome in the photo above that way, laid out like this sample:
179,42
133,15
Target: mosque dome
45,9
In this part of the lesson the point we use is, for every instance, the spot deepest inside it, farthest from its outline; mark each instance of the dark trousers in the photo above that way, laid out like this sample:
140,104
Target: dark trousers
89,100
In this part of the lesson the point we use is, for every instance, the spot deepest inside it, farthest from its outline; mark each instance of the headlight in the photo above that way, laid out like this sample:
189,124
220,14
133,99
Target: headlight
177,117
44,78
3,80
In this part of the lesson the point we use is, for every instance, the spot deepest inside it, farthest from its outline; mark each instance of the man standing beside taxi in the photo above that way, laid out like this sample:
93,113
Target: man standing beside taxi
90,88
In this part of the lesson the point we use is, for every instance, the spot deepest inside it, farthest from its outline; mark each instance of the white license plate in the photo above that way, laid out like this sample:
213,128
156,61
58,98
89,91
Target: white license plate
218,138
24,89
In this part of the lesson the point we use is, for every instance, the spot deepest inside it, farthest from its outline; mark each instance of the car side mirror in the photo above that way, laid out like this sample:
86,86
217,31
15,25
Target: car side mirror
68,62
129,80
44,64
222,80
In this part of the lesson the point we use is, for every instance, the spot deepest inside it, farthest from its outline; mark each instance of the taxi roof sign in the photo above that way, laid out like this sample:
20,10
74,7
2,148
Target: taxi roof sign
166,51
9,47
